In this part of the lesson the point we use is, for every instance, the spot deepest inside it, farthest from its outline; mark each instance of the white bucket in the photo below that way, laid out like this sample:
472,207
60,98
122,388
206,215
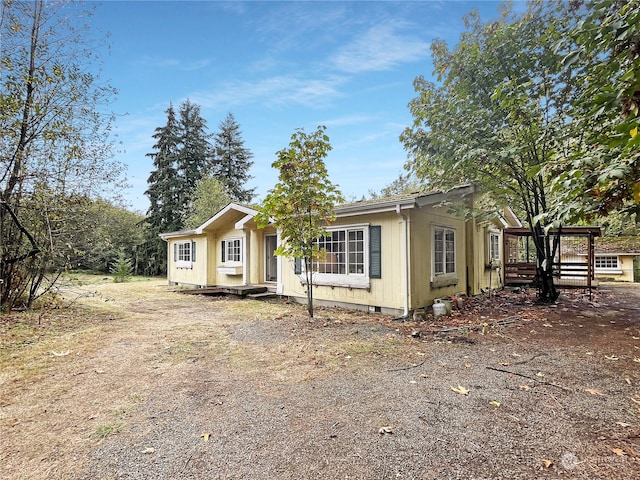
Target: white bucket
439,309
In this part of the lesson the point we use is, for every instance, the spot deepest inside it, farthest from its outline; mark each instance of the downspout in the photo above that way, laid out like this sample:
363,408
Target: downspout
245,258
405,260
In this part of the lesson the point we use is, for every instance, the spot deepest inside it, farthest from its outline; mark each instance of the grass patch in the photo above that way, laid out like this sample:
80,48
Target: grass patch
108,430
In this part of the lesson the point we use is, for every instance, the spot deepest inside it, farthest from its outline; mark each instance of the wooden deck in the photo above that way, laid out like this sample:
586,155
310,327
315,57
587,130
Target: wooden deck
240,290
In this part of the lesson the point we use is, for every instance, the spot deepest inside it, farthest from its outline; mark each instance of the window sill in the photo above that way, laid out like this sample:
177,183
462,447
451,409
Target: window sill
340,281
229,270
444,281
182,264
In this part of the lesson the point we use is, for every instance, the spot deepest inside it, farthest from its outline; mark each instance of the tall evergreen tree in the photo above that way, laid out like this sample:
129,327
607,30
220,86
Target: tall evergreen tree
163,181
194,157
232,161
163,214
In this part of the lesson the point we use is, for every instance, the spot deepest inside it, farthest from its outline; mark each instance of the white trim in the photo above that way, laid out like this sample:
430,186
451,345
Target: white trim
495,261
232,263
347,280
444,278
231,206
183,263
266,259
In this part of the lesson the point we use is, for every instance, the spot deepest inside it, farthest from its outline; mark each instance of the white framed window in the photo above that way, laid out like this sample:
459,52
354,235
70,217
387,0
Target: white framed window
344,252
444,251
352,256
494,248
607,264
232,251
184,253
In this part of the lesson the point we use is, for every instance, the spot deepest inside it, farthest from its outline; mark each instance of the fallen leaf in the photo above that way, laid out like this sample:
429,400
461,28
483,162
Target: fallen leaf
423,375
636,359
494,403
385,430
149,450
611,357
539,374
421,354
205,437
60,354
637,402
547,325
547,463
412,381
526,388
619,452
505,364
460,390
628,380
593,391
623,424
467,365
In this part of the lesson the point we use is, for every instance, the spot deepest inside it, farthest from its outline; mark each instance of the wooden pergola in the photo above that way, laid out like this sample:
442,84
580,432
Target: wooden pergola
573,266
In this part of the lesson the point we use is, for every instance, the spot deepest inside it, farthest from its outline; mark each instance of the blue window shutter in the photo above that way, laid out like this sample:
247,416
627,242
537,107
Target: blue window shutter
222,245
375,251
175,252
297,266
193,251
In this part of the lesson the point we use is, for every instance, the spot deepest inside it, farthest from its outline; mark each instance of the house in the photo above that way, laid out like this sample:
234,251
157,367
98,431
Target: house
391,255
614,257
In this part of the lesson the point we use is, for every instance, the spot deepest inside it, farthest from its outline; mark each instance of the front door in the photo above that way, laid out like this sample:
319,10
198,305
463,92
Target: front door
271,262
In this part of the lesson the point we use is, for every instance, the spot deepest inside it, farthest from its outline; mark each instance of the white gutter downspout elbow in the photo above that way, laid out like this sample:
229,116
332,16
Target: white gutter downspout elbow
405,259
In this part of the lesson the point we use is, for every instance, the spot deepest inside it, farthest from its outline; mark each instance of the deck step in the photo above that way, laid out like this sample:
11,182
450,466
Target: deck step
263,295
242,290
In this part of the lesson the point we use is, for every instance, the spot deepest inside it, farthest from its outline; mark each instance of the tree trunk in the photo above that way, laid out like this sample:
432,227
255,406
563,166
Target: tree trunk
547,291
309,275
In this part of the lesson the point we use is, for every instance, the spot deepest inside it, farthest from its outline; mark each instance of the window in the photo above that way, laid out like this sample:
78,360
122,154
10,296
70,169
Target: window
344,253
184,254
444,251
607,262
232,251
494,248
352,255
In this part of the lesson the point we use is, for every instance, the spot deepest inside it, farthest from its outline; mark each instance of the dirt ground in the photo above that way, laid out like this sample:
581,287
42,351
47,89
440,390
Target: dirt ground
137,381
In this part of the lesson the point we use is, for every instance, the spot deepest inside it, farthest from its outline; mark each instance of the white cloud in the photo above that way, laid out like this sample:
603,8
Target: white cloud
380,48
174,63
272,91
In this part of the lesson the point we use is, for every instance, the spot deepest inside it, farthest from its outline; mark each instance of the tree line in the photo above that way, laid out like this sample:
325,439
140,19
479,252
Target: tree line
59,184
541,109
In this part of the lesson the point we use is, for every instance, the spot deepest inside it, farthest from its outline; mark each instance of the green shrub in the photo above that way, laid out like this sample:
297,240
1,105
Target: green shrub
122,268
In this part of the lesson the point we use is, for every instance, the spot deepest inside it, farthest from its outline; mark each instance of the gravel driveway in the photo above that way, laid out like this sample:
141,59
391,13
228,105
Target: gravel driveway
554,392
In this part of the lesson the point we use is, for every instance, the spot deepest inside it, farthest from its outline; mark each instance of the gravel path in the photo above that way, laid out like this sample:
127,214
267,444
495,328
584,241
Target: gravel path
274,396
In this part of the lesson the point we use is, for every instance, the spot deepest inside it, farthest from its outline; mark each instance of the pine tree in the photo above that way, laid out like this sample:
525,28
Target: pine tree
194,158
163,182
232,161
163,214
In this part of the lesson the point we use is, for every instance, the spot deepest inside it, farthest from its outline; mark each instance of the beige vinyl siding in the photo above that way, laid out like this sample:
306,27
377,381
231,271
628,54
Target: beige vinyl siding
197,274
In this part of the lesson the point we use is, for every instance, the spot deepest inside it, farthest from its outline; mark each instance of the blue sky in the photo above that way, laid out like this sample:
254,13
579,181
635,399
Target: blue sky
277,66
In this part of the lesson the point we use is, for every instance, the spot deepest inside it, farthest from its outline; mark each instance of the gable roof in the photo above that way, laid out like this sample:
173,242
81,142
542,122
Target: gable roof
401,202
376,205
231,211
232,207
